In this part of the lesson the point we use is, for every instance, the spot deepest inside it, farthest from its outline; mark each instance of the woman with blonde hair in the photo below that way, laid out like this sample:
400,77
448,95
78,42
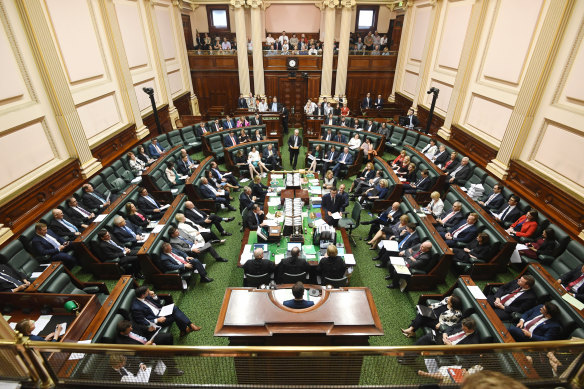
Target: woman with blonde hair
329,180
436,206
387,232
368,149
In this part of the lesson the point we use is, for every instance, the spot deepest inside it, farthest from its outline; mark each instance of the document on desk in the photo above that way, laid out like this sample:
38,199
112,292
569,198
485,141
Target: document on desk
35,275
100,218
164,207
136,180
276,176
399,264
245,256
144,238
141,376
174,190
573,301
166,310
389,245
349,259
158,228
274,202
278,258
336,215
74,356
318,223
270,223
41,323
476,292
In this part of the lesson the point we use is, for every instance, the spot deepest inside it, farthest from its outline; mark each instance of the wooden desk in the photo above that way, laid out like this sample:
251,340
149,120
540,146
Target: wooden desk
343,317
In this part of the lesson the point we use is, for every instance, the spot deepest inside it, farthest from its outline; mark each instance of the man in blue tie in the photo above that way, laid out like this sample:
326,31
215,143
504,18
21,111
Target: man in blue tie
408,240
11,280
110,250
155,149
344,159
148,205
62,226
275,106
94,199
47,244
127,233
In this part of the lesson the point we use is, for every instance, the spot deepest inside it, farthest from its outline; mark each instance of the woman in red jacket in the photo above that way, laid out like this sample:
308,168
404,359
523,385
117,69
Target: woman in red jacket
524,226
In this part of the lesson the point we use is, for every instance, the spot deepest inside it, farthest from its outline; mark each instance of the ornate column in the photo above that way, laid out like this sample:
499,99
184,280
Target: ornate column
532,88
256,43
343,57
467,57
327,55
402,52
184,56
240,36
56,85
159,60
122,68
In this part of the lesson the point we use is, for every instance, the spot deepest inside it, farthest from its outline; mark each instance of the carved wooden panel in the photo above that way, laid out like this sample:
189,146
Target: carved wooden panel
560,207
24,210
212,62
183,104
479,152
359,83
291,92
372,63
216,89
403,102
113,148
437,121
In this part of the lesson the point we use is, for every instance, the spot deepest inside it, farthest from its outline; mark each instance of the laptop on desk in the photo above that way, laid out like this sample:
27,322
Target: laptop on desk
263,246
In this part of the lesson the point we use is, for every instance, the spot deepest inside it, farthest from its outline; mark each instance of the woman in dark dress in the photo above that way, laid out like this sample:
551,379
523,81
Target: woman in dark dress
135,216
448,313
411,176
477,249
544,245
258,189
332,266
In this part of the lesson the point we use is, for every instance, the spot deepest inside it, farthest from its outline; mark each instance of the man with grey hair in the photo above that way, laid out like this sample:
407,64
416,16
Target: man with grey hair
450,218
460,173
126,233
246,200
62,226
418,257
258,265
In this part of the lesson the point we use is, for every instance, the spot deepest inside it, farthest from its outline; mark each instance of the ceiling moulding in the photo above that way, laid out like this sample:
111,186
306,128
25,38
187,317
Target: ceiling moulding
393,5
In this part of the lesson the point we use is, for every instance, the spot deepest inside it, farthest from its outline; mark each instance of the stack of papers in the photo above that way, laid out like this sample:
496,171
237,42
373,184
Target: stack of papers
389,245
399,265
349,259
274,202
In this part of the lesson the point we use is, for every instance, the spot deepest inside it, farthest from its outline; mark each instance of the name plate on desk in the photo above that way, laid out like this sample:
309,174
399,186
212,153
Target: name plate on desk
265,117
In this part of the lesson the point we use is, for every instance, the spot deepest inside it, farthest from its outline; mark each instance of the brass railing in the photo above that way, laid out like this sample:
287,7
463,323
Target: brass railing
49,363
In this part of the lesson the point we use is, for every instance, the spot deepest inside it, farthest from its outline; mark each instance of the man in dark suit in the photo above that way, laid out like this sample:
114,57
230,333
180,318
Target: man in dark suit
223,176
148,205
421,185
344,159
417,257
330,120
110,250
294,144
258,265
255,218
370,126
329,135
323,103
174,259
217,126
540,323
378,104
206,220
145,309
126,334
328,159
292,265
275,106
407,240
62,226
201,129
460,173
231,139
385,218
155,149
330,205
208,192
246,200
126,232
181,240
464,232
94,199
256,120
508,214
411,120
450,218
441,156
465,333
493,201
270,157
12,280
343,197
284,114
514,296
241,102
78,215
344,122
339,138
573,282
46,243
228,123
367,103
298,302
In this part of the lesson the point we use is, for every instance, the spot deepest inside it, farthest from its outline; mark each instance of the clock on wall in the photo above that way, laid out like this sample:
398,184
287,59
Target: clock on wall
292,63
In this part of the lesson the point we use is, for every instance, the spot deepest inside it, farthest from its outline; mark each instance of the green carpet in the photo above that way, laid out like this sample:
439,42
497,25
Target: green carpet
203,302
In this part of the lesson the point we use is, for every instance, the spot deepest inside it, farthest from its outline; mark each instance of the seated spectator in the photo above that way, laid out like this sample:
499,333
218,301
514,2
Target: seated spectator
314,157
112,251
436,205
172,175
441,157
463,334
329,181
460,173
343,160
368,149
12,280
450,218
345,110
225,45
401,163
407,239
544,245
254,162
494,200
421,184
538,324
147,303
479,249
430,150
384,130
78,215
392,229
144,157
27,326
525,226
376,51
46,243
136,217
380,191
448,313
136,164
508,214
384,219
410,176
298,302
331,265
573,282
231,139
515,296
126,232
258,189
370,126
219,183
366,184
355,142
416,257
293,264
367,174
257,136
270,158
208,191
450,162
258,266
62,226
126,334
174,259
147,205
242,122
186,165
463,232
155,149
94,199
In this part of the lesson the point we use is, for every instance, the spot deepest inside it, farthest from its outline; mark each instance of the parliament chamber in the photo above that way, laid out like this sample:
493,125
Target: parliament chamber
290,194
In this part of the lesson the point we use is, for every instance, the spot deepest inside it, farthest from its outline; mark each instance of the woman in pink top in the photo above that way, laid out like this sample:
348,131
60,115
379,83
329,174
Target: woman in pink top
241,122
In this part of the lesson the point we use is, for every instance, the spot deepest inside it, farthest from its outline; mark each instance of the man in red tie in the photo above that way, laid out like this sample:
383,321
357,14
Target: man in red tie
573,282
538,324
465,333
463,232
515,296
417,257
